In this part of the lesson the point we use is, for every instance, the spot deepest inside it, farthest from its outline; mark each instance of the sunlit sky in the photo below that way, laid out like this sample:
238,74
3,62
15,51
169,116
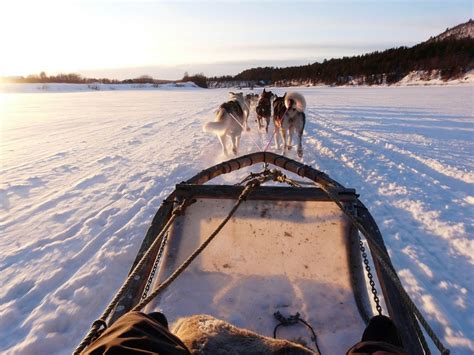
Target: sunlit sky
123,39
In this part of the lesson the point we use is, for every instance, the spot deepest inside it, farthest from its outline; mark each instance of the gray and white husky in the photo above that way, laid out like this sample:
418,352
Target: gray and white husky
293,121
231,119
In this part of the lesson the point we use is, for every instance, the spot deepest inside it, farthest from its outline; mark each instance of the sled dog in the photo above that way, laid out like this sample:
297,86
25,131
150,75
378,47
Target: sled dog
290,118
264,109
252,98
231,120
279,111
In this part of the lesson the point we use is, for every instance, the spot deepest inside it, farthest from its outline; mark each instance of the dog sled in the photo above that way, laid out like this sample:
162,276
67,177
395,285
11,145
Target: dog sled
286,252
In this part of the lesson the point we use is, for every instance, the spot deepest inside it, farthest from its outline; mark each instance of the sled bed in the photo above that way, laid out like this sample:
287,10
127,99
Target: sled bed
288,250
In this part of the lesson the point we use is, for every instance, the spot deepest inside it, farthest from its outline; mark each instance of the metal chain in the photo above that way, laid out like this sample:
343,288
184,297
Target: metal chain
155,266
370,276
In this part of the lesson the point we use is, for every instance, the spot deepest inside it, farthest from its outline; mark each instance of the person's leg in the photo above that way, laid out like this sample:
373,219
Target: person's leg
380,337
137,333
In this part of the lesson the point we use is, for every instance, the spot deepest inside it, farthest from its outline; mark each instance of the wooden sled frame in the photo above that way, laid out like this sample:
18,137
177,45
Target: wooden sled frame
402,317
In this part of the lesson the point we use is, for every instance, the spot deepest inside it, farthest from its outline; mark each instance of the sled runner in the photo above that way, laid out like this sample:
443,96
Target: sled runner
269,257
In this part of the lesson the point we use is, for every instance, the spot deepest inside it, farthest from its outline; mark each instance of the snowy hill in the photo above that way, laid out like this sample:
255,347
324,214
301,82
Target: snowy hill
463,30
450,54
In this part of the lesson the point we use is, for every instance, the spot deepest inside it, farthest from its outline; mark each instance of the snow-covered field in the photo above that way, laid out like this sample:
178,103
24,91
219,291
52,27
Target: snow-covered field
58,87
83,173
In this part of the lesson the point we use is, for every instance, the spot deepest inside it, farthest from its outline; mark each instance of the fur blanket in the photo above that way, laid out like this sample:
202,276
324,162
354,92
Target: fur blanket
204,334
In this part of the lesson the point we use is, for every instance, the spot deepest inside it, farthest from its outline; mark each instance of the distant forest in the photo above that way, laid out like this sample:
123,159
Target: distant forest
73,78
452,57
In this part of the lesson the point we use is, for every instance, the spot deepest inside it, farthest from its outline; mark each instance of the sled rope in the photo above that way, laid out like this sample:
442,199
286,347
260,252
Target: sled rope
244,129
270,140
275,132
100,324
243,196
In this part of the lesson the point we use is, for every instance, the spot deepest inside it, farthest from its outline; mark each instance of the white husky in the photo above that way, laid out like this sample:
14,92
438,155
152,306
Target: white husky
231,120
293,121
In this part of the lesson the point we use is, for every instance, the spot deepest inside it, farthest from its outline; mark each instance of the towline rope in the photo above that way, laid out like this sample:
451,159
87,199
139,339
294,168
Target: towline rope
275,130
244,128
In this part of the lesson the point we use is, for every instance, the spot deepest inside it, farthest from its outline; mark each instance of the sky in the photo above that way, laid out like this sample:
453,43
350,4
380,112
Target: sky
126,39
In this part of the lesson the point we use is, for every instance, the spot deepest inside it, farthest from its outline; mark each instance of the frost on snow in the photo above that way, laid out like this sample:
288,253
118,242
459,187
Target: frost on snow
83,173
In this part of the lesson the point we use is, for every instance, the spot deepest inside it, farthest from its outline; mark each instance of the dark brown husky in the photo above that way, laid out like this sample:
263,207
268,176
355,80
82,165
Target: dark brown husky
279,110
264,110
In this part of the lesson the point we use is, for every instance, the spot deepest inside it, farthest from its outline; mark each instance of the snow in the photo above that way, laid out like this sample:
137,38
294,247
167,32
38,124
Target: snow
61,87
82,174
423,77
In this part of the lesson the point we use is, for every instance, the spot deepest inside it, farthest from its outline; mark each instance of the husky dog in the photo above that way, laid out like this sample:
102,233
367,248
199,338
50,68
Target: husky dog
264,110
279,111
252,98
231,119
255,98
251,101
293,120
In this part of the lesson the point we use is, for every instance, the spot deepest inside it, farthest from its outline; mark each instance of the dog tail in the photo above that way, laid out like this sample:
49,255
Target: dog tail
296,98
217,127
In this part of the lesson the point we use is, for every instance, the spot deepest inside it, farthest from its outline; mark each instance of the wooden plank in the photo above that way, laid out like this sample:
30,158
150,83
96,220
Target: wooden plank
281,193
